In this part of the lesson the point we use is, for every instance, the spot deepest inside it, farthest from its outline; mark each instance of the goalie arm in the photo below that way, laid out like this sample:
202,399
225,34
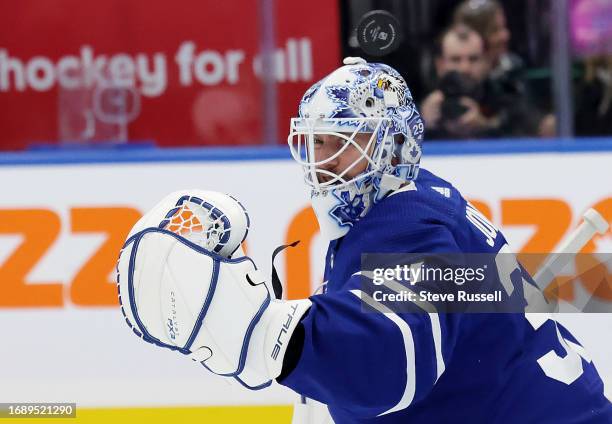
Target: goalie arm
366,362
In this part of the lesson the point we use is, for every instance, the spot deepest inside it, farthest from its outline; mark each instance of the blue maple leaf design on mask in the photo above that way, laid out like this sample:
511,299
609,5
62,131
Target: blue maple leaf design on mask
311,92
348,211
414,152
340,97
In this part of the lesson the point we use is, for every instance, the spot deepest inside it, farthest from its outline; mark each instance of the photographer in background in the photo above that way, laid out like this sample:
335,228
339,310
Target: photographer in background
487,17
461,66
465,103
507,70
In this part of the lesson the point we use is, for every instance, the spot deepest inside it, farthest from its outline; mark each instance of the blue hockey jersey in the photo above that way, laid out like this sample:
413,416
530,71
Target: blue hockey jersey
436,367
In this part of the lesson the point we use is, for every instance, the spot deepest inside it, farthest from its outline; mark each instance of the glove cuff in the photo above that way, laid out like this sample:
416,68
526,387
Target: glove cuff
281,318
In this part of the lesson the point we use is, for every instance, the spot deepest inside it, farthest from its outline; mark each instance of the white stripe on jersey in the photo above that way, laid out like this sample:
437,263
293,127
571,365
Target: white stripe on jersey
410,388
436,332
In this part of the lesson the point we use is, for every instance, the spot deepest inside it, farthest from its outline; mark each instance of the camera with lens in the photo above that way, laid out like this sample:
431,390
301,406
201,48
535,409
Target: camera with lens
455,85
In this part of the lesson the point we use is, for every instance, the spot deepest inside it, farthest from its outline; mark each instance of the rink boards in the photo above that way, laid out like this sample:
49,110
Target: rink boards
63,217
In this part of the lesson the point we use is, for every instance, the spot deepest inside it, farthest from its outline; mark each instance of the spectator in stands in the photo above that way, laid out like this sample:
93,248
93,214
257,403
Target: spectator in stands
465,103
506,75
487,17
460,62
594,98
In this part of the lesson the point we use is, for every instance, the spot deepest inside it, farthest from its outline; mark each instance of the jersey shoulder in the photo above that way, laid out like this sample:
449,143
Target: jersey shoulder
428,200
417,218
432,205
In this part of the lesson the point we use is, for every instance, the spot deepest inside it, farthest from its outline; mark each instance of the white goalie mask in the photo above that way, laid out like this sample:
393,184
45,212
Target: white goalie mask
366,115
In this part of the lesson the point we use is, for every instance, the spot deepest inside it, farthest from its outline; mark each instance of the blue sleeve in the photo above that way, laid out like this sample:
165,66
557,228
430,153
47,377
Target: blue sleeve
369,363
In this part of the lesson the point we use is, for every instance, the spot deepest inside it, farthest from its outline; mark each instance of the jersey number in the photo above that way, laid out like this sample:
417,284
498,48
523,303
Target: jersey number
566,369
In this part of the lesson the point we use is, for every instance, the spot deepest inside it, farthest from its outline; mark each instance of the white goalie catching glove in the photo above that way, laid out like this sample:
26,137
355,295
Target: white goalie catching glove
185,284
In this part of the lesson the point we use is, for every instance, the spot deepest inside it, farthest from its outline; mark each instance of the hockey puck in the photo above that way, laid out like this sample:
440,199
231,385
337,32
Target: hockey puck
378,33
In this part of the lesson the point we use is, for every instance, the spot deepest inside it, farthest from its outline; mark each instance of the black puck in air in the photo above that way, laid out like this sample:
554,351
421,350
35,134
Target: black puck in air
378,33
